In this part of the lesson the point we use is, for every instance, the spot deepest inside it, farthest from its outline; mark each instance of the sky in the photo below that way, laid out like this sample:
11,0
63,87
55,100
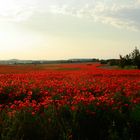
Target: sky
64,29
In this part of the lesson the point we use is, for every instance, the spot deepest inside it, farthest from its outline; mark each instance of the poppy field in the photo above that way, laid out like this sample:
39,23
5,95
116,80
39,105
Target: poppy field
69,102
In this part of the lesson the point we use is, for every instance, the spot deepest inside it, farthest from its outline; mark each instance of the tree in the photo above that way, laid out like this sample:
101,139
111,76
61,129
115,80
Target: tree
122,61
128,60
131,59
136,57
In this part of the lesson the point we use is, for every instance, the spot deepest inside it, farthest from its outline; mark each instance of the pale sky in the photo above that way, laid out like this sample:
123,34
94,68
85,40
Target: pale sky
63,29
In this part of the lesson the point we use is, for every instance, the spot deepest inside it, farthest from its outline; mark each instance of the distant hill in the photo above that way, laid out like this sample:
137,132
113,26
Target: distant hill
17,61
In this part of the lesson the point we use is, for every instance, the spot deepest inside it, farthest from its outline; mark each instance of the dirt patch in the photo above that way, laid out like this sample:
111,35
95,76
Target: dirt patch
105,66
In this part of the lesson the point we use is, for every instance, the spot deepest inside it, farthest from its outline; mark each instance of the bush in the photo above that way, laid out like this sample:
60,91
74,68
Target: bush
103,61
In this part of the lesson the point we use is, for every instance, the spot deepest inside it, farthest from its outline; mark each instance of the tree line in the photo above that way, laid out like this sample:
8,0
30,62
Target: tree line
131,59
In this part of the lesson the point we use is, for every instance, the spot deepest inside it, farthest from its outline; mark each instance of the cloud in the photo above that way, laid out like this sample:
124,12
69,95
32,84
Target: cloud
16,11
124,15
138,1
120,14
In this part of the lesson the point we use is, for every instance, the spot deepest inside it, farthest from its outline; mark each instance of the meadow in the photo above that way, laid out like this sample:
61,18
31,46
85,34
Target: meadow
69,102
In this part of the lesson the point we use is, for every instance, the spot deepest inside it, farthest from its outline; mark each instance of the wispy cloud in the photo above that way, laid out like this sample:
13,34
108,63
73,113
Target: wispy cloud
124,15
14,10
120,14
137,1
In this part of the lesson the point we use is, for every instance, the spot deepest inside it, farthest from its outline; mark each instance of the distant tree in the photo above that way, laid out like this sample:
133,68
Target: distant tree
113,62
95,60
103,61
